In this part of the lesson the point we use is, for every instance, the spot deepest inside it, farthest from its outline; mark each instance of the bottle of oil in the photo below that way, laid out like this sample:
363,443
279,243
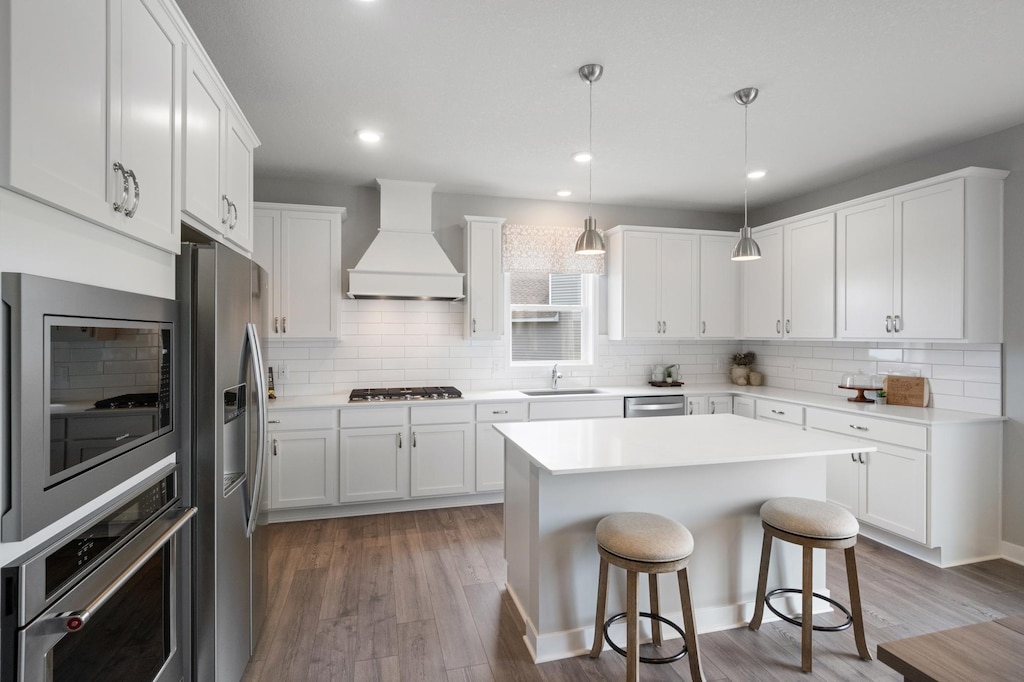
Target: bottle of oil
270,383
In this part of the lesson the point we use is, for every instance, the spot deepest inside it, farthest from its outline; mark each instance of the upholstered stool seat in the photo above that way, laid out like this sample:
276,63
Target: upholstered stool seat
644,543
812,524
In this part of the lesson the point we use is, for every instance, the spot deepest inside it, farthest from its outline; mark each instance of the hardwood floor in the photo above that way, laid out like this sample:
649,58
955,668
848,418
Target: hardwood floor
420,596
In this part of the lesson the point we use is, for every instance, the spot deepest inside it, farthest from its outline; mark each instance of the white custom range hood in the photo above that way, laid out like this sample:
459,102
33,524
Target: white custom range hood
405,261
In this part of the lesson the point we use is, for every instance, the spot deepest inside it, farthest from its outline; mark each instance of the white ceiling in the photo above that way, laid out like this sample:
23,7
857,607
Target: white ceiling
483,96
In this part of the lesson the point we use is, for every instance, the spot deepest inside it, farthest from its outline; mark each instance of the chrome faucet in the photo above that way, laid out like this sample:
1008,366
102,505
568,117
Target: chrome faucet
555,376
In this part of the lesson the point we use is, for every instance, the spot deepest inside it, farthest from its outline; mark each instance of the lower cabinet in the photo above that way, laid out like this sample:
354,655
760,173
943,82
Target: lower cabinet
374,464
490,445
709,404
443,460
303,468
743,406
887,488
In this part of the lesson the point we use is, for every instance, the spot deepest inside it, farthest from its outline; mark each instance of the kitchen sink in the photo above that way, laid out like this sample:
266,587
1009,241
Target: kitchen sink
563,391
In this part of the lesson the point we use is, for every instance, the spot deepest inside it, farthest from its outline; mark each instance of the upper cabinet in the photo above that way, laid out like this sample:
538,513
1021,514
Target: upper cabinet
484,288
762,287
653,280
790,291
217,182
719,288
924,263
300,248
93,112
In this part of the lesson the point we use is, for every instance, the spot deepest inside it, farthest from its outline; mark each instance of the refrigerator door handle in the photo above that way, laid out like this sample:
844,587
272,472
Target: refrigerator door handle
252,337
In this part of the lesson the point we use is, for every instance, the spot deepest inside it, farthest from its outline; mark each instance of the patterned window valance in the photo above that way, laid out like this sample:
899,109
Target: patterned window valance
544,248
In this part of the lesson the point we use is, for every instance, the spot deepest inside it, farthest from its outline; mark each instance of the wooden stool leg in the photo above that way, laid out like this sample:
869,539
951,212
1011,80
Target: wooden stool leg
632,629
762,582
690,625
807,610
858,618
602,598
652,582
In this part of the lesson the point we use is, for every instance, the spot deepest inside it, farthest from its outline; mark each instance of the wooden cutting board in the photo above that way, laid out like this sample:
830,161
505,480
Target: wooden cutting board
911,391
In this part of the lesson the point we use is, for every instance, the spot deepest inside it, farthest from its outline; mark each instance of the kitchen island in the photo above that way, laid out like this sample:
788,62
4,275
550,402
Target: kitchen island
710,472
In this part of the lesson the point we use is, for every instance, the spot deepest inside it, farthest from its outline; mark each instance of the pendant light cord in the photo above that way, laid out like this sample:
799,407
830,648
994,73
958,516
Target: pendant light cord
590,150
745,178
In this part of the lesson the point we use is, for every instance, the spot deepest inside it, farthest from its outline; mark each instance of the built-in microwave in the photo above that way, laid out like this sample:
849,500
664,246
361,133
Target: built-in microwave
87,397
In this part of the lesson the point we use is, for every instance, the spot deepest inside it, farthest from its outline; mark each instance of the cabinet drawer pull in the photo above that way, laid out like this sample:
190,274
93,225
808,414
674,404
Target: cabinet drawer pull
414,439
853,457
858,428
130,212
860,457
703,327
897,324
712,407
119,206
120,438
274,451
788,328
277,326
227,209
273,421
399,440
778,412
499,412
284,325
778,326
888,324
474,325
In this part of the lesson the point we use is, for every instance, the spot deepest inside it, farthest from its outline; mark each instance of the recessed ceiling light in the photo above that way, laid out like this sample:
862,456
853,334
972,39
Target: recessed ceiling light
582,157
757,174
368,135
563,193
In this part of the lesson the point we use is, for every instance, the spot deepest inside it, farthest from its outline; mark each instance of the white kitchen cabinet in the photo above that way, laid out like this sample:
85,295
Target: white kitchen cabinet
785,413
719,404
303,468
719,288
374,464
237,197
300,247
743,406
696,405
923,263
490,445
443,460
576,409
94,113
887,488
762,287
485,303
653,282
809,278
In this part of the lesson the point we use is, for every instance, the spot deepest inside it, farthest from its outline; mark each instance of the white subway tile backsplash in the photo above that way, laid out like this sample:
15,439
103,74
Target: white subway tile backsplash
400,343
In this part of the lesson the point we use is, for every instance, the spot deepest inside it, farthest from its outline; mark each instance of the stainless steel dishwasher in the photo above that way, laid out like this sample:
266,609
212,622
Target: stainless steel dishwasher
655,406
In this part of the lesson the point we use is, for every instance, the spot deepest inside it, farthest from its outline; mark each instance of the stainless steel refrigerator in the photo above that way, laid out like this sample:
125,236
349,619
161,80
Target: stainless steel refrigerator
223,302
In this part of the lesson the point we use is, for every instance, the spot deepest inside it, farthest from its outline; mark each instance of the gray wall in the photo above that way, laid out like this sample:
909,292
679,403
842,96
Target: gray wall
363,204
1003,150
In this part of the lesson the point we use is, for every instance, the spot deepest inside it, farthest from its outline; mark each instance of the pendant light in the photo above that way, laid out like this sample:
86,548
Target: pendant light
746,248
590,242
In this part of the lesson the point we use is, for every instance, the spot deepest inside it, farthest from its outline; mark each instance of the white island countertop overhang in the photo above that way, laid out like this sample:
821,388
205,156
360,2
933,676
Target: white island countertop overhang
592,445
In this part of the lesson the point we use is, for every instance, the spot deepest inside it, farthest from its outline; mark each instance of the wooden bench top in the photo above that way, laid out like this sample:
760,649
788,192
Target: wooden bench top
985,651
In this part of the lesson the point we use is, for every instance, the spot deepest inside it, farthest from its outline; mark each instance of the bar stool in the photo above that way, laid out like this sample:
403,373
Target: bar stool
652,544
810,524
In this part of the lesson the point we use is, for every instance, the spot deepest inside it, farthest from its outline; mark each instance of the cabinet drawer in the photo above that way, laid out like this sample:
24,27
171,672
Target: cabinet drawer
780,412
374,415
442,414
281,420
884,430
501,412
582,409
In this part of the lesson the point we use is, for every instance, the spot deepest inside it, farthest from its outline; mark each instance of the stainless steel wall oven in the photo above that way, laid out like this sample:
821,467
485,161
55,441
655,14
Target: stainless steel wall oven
105,601
88,395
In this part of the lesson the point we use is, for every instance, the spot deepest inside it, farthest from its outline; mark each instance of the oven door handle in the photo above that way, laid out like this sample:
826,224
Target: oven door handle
653,407
76,620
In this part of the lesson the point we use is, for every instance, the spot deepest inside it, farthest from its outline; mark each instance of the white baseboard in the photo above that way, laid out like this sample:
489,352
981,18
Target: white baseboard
1012,552
383,507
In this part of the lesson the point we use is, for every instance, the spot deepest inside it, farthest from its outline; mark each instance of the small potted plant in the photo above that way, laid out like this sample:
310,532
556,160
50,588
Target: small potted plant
741,363
880,396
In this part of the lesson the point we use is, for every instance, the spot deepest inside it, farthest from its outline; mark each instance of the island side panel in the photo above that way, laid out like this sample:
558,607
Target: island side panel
718,503
520,511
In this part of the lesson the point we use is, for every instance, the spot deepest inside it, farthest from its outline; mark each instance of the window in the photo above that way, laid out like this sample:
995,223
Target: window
551,318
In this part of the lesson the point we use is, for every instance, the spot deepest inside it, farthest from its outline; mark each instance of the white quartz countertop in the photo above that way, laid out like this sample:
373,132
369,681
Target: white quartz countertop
914,415
592,445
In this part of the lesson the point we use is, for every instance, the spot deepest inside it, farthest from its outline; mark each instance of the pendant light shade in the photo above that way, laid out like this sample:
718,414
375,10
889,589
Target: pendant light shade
590,242
746,248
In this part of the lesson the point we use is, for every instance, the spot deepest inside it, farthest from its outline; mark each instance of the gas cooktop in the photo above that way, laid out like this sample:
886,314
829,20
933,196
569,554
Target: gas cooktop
380,395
